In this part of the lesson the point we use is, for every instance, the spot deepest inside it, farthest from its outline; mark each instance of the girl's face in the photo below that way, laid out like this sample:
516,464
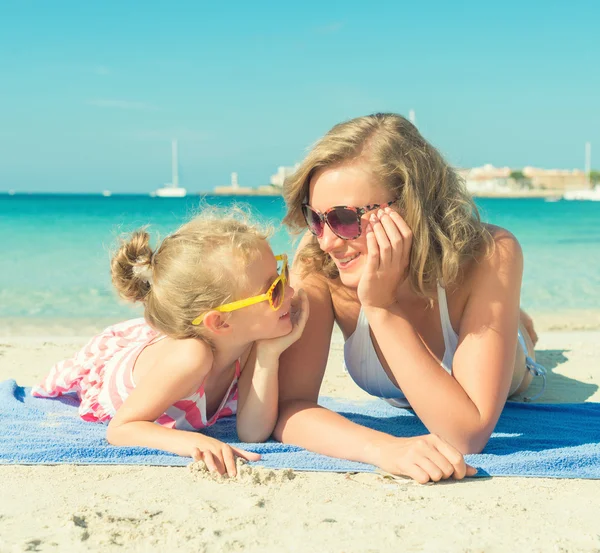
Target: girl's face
260,321
349,185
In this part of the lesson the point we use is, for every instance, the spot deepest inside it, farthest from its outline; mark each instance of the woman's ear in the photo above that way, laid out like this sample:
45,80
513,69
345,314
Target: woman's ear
216,322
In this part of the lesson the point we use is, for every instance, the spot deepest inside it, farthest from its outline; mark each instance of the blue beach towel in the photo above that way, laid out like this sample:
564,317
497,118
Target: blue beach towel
556,441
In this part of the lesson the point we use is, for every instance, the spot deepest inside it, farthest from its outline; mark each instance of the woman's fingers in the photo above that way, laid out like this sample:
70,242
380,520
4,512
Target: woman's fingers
417,473
400,223
393,233
372,264
383,242
405,232
454,457
443,467
434,473
471,471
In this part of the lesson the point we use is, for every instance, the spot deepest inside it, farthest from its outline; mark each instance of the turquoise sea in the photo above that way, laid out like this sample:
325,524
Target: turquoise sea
55,249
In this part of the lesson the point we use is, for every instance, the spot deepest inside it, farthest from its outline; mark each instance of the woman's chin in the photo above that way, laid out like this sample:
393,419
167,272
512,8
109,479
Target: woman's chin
350,279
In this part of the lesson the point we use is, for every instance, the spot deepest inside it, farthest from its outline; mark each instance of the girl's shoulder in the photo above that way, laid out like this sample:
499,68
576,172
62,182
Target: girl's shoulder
186,359
188,352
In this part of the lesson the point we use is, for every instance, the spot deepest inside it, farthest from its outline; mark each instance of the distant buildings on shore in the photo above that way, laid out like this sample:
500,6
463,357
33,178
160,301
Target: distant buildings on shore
529,181
274,188
486,180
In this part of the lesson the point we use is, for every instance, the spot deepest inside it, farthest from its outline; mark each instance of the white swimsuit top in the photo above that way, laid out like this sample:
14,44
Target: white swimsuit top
362,363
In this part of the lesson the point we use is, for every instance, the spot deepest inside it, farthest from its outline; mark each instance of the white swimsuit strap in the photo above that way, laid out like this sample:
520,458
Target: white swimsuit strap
447,329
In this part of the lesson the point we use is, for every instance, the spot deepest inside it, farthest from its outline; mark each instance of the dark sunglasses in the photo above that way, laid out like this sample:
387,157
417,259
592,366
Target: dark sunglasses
343,220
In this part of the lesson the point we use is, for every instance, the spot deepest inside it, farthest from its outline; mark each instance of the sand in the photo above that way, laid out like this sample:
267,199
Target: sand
107,508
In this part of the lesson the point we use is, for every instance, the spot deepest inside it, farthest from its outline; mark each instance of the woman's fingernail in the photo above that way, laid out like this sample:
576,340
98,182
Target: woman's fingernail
381,213
373,218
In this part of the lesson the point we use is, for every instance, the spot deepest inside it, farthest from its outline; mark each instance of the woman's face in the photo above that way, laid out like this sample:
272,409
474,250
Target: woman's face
350,185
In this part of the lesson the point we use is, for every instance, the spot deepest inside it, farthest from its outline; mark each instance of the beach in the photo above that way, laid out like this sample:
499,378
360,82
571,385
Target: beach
137,508
55,293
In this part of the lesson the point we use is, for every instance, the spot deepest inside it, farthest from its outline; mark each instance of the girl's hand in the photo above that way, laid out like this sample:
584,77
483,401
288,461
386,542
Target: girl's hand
299,315
218,456
422,458
389,240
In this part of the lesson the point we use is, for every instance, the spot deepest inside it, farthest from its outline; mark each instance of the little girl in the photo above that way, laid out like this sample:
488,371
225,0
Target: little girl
217,315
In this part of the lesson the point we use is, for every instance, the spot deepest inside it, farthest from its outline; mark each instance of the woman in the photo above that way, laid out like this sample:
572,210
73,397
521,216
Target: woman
426,296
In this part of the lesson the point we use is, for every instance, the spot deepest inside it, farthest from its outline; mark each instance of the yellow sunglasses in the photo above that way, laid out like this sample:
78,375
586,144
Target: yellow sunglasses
274,295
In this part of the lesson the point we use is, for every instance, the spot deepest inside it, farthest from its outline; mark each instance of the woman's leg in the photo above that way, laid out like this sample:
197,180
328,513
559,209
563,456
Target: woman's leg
522,377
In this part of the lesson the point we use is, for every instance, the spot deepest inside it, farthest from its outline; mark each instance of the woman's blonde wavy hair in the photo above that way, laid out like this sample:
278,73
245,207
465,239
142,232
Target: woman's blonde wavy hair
198,267
432,198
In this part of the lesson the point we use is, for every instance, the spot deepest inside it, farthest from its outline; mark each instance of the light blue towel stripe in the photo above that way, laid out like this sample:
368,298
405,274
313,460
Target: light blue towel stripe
555,441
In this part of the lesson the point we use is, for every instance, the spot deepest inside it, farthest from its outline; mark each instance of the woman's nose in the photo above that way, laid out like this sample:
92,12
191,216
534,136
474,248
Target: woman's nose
329,241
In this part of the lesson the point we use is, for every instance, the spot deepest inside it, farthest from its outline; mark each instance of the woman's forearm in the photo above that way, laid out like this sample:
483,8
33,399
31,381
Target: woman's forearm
308,425
438,399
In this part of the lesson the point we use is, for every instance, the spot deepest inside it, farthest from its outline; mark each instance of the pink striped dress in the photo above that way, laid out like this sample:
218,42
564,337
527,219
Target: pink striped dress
101,375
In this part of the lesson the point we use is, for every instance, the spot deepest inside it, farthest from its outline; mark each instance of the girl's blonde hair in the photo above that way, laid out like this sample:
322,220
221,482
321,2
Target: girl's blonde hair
431,197
200,266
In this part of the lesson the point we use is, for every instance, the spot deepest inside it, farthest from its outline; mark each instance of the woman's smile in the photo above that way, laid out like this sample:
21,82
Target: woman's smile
346,262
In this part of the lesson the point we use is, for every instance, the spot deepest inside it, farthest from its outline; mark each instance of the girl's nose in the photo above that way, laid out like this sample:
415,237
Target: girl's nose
290,291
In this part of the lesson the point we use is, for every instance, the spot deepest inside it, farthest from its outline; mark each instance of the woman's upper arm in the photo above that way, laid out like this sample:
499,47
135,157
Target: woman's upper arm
302,365
484,360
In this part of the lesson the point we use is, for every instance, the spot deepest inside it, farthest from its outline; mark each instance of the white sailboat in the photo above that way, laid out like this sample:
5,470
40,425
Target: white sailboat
172,189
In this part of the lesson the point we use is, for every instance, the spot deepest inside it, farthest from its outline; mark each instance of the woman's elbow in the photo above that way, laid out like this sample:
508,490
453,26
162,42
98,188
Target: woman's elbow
473,443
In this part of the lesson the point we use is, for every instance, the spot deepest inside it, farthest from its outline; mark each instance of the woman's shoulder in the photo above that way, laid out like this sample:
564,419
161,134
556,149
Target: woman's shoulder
506,247
503,257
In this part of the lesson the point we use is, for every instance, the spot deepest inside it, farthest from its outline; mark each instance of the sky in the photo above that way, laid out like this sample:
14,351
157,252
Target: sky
91,93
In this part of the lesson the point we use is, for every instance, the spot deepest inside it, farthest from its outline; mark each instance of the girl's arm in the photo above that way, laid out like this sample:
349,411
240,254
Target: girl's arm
257,389
303,422
177,376
257,397
462,408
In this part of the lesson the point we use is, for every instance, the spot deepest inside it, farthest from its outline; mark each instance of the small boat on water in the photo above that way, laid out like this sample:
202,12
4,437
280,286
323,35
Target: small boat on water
172,189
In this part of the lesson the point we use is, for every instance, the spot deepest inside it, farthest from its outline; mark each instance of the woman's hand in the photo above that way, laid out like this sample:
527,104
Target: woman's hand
389,241
299,311
218,456
422,458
